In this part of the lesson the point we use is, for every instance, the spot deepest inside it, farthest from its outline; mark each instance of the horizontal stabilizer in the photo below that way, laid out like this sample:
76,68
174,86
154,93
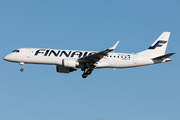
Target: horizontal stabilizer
163,56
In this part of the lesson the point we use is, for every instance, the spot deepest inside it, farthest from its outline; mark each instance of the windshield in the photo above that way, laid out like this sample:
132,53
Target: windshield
15,51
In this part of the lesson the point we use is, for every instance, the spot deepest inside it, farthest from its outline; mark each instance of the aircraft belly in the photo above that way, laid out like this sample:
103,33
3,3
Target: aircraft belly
102,65
118,63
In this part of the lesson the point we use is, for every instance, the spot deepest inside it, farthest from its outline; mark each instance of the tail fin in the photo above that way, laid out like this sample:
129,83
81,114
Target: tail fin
158,48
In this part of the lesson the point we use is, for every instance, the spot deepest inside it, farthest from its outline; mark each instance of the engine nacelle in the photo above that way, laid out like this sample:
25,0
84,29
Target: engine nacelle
61,69
69,63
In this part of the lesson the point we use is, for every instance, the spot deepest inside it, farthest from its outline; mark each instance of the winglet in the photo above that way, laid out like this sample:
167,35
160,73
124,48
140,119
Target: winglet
112,48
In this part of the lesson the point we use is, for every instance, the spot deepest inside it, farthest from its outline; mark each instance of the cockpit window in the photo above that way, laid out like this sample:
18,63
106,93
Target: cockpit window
16,51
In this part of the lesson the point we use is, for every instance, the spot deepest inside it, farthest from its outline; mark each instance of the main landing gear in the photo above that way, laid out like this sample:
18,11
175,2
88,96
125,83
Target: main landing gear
22,64
86,73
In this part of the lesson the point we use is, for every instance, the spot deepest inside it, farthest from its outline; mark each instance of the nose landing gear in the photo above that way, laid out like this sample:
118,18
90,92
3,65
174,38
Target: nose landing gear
22,69
22,64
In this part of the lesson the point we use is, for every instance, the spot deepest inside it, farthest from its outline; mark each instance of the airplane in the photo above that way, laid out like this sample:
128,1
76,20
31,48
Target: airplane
67,61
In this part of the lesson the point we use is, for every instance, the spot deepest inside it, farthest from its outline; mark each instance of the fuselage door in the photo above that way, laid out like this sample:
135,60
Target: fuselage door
28,52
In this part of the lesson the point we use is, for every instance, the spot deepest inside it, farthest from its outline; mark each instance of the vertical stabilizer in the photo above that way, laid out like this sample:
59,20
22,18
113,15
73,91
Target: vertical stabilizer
158,47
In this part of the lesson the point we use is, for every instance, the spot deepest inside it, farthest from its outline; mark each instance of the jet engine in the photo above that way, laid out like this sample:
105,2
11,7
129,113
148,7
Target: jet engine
61,69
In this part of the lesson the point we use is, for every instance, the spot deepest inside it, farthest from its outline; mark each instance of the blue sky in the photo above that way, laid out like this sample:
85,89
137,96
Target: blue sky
149,92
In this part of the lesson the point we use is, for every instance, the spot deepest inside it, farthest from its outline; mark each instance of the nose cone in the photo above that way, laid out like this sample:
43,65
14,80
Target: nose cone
7,57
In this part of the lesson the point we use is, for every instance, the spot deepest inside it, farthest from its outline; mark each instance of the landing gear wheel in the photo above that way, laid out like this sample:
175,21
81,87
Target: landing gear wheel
22,64
21,69
89,72
84,75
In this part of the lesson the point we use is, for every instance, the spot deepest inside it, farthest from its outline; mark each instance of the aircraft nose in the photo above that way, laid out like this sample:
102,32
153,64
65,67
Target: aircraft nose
7,57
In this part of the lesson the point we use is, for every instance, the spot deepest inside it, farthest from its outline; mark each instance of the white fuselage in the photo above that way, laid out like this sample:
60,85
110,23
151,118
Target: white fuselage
55,57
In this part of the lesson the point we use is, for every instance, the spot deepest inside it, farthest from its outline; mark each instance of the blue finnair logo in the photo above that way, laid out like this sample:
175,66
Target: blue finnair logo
158,44
59,53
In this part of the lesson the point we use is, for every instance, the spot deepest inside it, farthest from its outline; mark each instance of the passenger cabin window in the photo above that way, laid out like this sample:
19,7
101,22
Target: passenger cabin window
16,51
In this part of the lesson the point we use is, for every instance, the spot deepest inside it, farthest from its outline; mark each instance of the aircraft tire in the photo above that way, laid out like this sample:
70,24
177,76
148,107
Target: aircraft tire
21,69
84,75
89,72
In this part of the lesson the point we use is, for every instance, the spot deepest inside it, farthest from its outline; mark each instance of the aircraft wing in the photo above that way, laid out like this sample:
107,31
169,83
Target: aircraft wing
97,56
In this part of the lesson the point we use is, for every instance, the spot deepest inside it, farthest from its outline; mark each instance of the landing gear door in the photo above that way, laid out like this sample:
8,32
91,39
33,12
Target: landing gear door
28,52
